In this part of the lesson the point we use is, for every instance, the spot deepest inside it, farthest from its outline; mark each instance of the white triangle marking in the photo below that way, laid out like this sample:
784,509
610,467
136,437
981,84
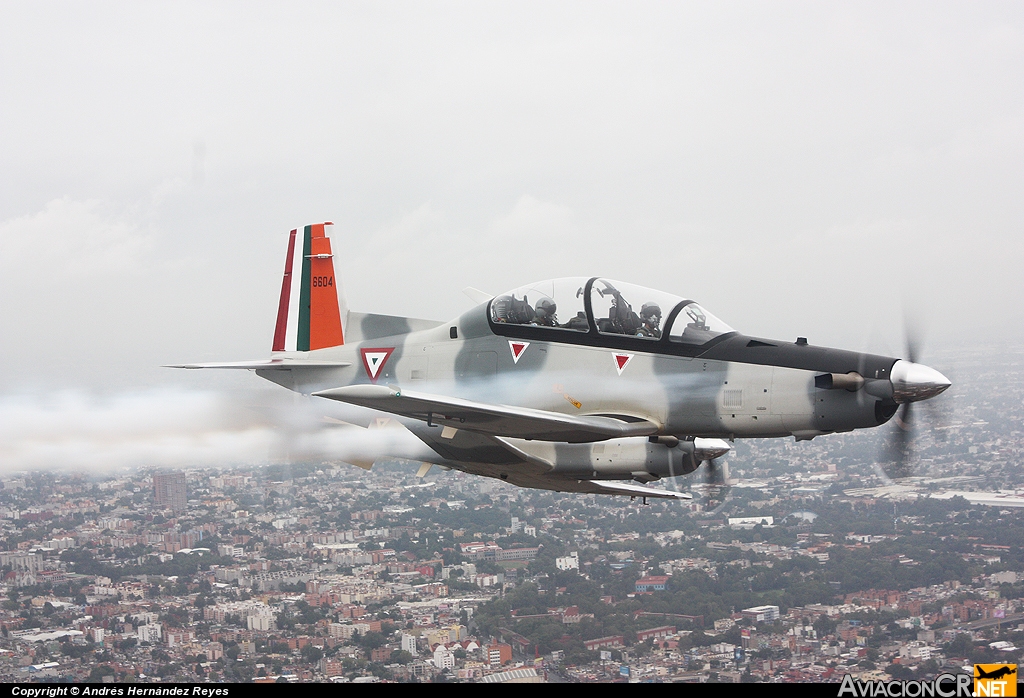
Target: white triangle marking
374,360
621,361
517,349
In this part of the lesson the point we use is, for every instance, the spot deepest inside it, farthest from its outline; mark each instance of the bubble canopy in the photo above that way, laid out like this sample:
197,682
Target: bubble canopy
568,308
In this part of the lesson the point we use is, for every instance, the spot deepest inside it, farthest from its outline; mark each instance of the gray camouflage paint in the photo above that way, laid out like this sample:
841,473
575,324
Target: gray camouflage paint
739,388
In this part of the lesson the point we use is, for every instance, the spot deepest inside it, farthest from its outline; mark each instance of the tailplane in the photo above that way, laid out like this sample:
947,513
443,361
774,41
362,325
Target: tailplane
312,308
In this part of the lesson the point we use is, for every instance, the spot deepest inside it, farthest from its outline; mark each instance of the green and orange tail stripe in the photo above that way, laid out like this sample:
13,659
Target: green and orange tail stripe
308,315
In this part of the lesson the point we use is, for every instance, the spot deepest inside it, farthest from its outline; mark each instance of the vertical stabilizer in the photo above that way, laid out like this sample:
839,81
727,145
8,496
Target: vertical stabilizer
312,304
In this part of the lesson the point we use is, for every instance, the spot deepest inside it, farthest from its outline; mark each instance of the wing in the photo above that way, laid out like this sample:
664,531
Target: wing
491,456
594,487
267,364
484,418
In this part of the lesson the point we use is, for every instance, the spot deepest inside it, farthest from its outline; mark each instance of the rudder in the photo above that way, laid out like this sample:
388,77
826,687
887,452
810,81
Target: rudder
309,315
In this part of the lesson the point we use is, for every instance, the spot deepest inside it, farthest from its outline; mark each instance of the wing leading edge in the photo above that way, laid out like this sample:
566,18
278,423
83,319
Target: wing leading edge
601,487
484,418
266,364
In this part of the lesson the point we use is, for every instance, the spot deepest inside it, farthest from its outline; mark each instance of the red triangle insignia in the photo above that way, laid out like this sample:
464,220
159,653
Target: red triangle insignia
517,349
621,361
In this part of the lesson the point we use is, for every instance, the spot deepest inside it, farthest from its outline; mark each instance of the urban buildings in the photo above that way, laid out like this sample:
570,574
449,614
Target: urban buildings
169,490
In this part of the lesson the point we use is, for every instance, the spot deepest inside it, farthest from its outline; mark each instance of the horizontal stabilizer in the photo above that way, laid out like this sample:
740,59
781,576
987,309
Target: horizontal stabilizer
498,420
267,364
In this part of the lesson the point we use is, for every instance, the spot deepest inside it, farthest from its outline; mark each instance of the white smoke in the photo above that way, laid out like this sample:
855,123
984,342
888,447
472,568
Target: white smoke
178,428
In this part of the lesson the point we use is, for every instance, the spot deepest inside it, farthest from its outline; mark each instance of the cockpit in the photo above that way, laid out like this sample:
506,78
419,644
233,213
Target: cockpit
605,307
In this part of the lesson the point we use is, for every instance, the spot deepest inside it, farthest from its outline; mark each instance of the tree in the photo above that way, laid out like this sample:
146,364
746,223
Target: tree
960,646
312,653
167,670
824,626
372,640
899,672
97,674
403,657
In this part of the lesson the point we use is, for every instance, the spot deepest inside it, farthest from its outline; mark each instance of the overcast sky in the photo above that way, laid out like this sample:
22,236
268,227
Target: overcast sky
799,168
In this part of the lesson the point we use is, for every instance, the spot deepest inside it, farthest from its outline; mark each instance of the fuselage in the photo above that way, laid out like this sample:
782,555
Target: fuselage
734,386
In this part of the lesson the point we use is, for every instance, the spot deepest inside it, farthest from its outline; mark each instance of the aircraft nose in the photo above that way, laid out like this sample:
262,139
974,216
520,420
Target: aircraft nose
913,382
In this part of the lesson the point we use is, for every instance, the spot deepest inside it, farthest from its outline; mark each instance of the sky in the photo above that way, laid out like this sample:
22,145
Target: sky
825,170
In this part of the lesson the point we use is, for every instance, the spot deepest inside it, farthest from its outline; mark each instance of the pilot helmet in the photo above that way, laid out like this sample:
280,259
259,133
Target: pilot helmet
649,310
545,307
500,308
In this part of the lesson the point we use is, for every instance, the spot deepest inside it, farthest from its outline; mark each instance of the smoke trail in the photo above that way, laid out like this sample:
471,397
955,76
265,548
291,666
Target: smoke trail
177,428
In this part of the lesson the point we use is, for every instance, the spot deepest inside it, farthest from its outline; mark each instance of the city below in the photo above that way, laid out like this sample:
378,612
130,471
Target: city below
807,565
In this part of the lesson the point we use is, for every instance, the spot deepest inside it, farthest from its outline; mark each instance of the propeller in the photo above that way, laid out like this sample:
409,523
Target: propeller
705,455
912,382
715,487
896,453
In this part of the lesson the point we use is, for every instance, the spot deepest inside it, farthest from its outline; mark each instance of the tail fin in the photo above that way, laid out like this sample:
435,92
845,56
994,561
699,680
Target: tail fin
309,315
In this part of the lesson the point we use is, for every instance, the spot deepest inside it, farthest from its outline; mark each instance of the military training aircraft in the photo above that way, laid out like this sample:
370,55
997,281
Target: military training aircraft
562,385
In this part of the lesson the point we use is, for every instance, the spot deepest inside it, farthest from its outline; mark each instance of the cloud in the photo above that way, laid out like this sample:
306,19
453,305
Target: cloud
72,238
791,171
533,221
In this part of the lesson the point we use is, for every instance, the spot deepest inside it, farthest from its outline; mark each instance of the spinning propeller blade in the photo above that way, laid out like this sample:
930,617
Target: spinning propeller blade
912,382
715,487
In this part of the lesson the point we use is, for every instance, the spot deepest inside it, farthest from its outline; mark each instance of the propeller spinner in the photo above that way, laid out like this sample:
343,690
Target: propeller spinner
911,382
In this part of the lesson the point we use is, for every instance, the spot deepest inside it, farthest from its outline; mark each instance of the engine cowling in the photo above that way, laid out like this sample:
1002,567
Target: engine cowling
642,460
